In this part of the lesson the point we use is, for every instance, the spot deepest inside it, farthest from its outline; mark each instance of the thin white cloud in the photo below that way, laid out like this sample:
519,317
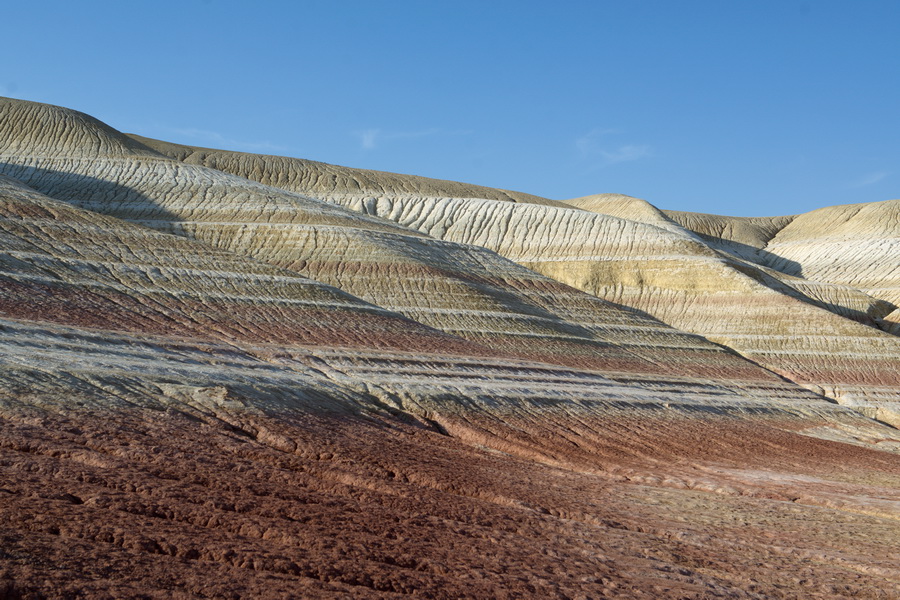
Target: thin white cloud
590,142
367,138
595,147
626,153
370,139
215,138
869,179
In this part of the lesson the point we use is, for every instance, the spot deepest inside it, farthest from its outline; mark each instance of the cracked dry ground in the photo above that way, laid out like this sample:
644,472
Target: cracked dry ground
172,504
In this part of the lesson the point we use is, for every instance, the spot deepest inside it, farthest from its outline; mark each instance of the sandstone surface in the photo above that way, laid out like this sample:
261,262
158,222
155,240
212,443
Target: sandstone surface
855,245
214,387
635,255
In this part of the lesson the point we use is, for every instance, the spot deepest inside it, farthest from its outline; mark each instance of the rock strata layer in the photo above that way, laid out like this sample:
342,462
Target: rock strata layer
214,387
829,338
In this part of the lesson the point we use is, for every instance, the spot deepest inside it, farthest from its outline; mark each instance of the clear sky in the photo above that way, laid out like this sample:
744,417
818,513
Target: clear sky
747,107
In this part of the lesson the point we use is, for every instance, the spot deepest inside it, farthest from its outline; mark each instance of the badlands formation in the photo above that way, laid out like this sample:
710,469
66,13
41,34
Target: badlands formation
228,375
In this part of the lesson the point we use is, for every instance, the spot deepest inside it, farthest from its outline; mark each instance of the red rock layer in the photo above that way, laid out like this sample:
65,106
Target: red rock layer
175,504
69,266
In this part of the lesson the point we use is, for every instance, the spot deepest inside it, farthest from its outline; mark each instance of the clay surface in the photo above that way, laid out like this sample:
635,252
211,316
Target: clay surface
236,376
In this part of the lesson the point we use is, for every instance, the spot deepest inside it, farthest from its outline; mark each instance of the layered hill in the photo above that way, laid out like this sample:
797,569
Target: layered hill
463,290
823,335
323,178
854,245
215,387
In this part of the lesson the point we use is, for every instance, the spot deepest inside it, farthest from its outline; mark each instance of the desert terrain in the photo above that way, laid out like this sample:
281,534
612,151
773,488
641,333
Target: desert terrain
232,375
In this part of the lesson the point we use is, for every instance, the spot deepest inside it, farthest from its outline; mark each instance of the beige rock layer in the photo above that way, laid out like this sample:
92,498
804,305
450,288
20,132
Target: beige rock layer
663,269
182,420
855,245
743,236
322,178
463,290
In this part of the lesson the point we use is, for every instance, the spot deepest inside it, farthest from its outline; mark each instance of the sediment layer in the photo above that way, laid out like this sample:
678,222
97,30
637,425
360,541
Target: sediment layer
214,387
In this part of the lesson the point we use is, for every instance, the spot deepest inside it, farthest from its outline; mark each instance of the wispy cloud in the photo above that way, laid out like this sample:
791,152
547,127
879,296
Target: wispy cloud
369,139
596,146
626,153
589,142
869,179
215,138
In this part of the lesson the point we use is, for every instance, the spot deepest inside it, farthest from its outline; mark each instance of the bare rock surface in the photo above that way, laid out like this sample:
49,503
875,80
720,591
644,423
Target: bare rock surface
854,244
213,387
461,289
780,324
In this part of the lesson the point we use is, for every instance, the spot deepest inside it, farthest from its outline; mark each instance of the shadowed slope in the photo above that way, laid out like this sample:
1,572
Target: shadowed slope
856,245
742,236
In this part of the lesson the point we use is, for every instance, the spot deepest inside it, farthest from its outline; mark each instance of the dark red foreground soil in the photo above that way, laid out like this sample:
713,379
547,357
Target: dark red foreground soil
146,504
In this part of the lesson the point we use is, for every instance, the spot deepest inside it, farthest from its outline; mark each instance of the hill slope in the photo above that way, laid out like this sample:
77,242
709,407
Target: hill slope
632,254
211,387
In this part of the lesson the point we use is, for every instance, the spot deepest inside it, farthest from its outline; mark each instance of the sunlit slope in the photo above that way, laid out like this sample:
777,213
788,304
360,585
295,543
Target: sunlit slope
121,315
857,245
664,270
320,179
463,290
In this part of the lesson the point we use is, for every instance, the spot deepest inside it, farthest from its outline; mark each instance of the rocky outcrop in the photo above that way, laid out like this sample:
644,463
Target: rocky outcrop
638,256
463,290
213,387
854,245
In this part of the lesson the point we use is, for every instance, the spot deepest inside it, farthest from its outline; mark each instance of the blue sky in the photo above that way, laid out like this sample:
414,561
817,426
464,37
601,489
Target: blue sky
754,107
